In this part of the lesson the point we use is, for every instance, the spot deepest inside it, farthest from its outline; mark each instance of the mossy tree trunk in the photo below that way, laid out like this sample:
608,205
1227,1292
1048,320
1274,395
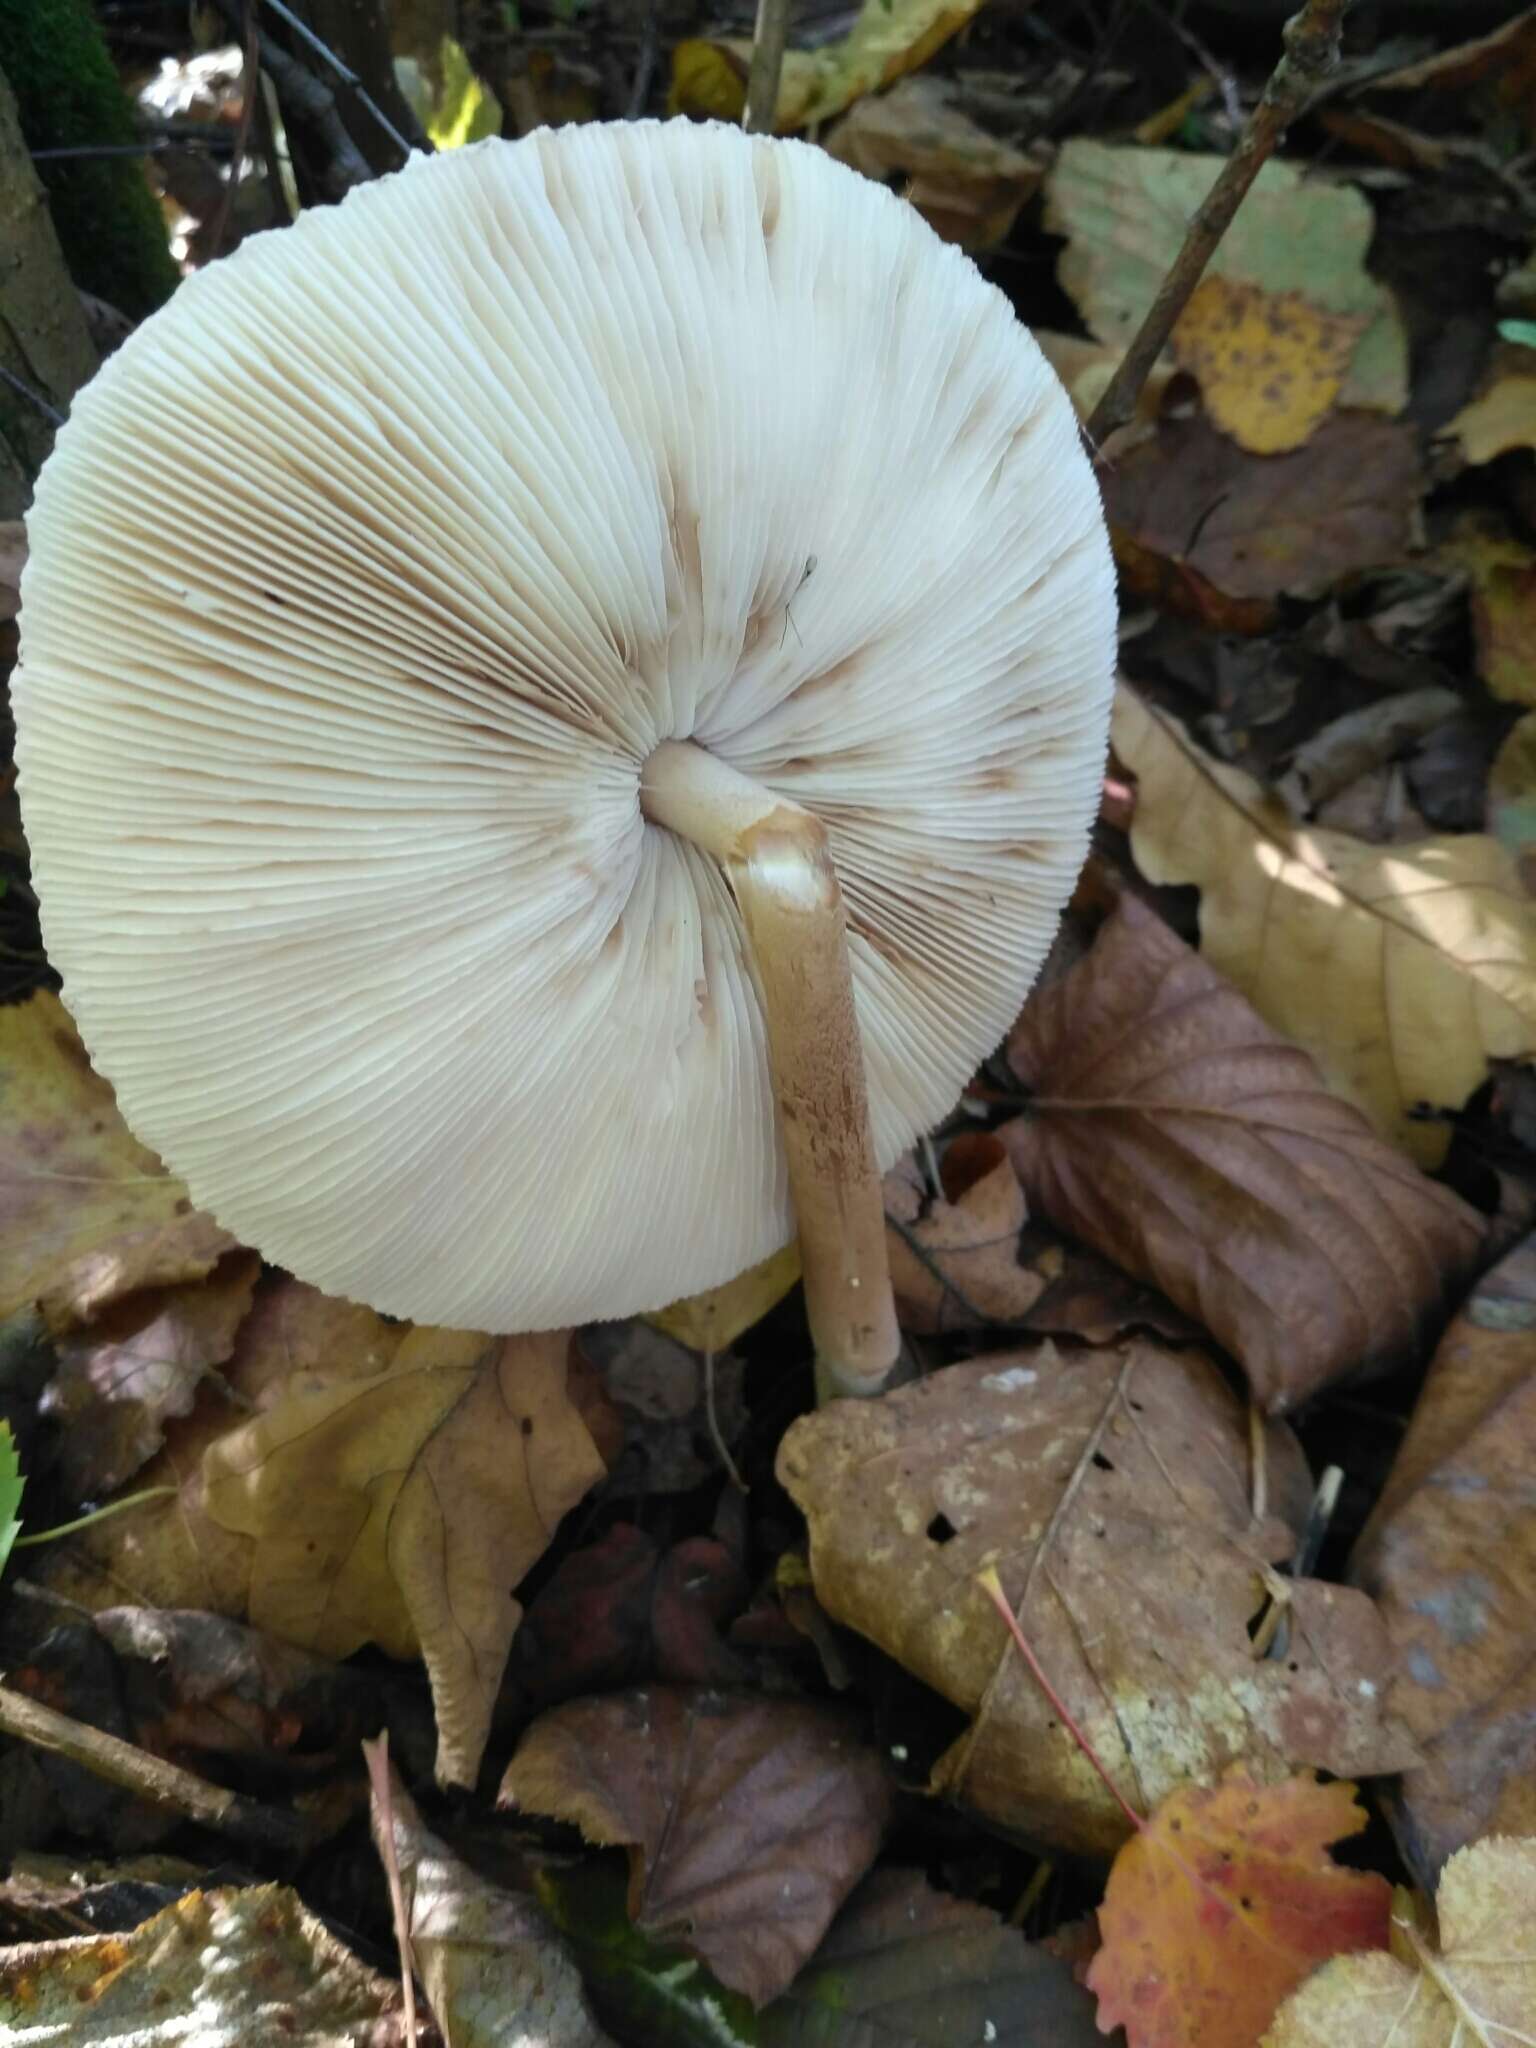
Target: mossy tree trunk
44,340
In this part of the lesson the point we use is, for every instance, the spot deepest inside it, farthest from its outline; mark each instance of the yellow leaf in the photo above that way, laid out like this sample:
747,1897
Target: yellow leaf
1400,969
465,109
1473,1988
87,1214
1501,417
402,1509
1270,365
713,1321
888,39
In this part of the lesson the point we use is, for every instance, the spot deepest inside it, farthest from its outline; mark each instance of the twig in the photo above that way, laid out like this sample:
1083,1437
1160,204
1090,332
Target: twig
992,1586
645,68
116,1507
722,1448
1311,51
344,72
35,399
149,1777
250,91
306,101
1258,1461
376,1755
769,37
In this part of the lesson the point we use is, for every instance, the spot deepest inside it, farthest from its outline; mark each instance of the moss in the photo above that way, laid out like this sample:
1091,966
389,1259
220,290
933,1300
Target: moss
109,222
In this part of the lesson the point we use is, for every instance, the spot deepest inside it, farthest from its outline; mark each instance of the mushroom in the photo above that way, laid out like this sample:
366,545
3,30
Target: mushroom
561,700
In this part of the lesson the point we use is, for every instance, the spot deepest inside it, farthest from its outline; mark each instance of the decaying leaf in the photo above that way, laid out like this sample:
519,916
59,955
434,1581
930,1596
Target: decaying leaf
1223,1904
172,1553
905,1966
955,1256
1270,365
622,1610
1401,969
1450,1557
1259,526
87,1215
122,1377
495,1972
1471,1985
748,1820
888,39
1125,211
1110,1490
218,1969
965,183
660,1388
1177,1134
402,1509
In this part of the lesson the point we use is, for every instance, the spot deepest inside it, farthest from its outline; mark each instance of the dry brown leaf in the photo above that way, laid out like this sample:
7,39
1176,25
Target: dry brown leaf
955,1256
965,183
402,1509
1503,574
495,1972
1503,60
1178,1135
748,1820
121,1378
1270,365
1401,969
1110,1491
1086,367
1259,526
1450,1556
87,1215
235,1968
1470,1983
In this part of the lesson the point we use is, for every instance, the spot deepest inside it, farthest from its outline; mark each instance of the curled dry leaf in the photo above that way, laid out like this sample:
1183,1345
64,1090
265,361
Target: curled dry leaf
1176,1133
955,1256
495,1972
1125,212
243,1966
905,1966
1110,1490
1400,969
122,1377
87,1215
1450,1558
748,1820
1473,1986
1260,526
1223,1904
402,1509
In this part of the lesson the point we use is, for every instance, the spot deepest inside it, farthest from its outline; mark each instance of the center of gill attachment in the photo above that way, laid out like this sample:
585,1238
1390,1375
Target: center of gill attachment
695,794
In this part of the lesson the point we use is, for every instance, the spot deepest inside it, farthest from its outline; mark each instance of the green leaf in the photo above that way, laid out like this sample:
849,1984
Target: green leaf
1523,331
466,109
11,1485
641,1991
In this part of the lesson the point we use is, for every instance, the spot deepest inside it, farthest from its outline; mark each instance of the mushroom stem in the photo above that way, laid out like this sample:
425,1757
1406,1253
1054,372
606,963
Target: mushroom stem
776,858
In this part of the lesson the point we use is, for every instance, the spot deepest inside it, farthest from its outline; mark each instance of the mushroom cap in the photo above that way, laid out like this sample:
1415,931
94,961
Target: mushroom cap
365,577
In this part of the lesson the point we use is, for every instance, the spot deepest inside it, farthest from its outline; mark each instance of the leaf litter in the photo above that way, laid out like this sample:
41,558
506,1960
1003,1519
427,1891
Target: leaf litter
1247,1145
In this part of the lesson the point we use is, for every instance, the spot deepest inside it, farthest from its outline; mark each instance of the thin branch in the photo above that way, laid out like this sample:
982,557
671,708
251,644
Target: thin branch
343,72
1311,51
148,1776
306,102
769,38
35,399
